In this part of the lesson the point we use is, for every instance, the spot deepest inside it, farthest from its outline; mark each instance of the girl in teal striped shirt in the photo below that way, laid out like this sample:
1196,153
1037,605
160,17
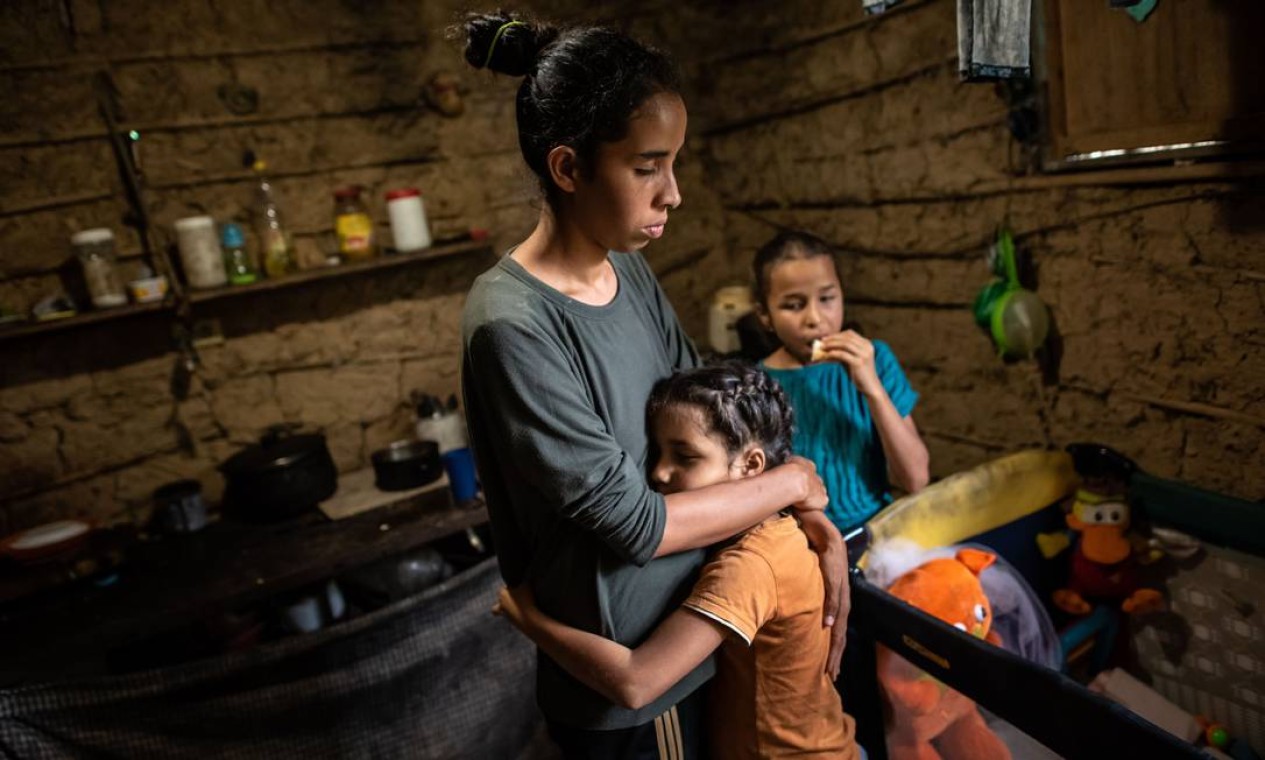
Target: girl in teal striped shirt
851,399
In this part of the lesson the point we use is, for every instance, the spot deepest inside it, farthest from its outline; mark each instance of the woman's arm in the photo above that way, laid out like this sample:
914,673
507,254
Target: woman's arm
697,519
832,556
709,515
566,459
631,678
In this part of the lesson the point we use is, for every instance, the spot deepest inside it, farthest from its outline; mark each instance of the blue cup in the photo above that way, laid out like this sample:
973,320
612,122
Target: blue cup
459,464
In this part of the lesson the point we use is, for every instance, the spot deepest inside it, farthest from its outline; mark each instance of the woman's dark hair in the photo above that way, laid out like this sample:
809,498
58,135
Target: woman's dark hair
740,403
581,85
786,246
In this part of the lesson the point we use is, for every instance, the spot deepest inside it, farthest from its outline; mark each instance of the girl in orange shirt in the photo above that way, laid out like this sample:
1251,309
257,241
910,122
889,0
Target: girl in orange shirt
758,599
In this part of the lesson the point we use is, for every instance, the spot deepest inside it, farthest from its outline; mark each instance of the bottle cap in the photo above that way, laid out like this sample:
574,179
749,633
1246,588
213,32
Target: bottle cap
429,407
231,236
94,235
403,192
194,223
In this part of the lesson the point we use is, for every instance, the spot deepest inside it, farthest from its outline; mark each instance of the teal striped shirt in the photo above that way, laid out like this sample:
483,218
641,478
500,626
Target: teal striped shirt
834,429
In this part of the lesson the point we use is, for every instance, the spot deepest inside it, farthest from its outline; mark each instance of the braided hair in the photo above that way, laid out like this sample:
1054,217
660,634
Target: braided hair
739,402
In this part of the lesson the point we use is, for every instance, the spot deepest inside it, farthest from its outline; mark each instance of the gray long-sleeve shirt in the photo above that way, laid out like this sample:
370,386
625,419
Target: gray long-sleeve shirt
555,394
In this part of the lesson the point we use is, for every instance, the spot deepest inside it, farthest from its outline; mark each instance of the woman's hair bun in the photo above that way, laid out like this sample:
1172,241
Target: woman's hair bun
515,52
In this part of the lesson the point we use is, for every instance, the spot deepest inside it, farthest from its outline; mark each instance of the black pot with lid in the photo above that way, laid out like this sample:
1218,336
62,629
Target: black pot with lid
285,474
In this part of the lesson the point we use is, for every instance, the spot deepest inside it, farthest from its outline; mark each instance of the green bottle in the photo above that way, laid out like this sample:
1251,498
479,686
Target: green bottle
237,263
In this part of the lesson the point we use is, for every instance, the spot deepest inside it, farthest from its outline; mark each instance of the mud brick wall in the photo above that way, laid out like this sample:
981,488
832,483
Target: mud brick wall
89,422
802,114
813,115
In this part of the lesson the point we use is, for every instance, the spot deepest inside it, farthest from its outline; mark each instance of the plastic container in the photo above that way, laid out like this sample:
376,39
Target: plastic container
728,306
200,252
353,225
446,427
148,287
408,220
95,249
237,262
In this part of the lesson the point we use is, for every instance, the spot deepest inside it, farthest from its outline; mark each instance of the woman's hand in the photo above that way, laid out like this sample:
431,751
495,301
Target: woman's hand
856,353
813,496
517,605
832,554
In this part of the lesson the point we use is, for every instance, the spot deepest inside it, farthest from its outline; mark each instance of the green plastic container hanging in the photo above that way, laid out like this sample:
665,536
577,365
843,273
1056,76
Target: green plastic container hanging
1016,317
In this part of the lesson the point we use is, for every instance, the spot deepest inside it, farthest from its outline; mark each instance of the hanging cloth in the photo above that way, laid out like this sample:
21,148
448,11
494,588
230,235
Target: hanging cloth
993,39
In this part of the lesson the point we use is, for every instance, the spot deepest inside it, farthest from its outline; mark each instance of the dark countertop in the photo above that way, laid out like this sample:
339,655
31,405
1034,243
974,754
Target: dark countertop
166,583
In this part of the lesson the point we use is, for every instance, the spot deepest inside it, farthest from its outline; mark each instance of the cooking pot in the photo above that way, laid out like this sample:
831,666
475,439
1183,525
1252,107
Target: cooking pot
407,464
283,475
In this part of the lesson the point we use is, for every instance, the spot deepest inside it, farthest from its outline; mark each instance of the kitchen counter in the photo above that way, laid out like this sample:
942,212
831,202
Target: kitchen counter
173,581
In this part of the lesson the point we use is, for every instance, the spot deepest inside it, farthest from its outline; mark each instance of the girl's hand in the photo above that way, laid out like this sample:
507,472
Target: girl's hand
856,353
517,606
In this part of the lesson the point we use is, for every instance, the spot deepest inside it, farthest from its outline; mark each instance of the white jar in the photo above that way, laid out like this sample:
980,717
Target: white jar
200,252
728,306
95,249
408,220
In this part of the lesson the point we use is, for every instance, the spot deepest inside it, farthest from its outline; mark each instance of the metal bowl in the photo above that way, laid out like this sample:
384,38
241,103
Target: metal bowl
407,464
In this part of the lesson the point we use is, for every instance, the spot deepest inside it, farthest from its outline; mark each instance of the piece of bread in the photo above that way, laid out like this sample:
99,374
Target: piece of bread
819,351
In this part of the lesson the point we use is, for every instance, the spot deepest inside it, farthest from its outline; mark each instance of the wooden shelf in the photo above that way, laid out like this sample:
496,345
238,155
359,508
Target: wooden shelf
16,330
383,262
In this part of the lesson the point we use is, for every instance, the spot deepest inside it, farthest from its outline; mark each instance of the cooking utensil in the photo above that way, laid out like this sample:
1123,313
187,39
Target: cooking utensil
45,541
179,507
313,611
394,579
285,474
407,464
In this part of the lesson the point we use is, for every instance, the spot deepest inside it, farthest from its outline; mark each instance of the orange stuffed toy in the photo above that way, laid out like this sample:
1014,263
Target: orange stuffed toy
928,719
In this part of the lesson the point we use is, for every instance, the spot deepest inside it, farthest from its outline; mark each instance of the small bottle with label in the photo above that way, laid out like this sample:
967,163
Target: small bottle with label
353,226
237,262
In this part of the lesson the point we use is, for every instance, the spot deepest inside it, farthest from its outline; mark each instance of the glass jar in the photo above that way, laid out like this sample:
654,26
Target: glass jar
95,249
353,225
200,252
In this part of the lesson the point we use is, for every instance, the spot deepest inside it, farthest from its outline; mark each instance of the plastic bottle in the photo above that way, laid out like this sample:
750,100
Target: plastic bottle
274,242
728,306
237,263
408,220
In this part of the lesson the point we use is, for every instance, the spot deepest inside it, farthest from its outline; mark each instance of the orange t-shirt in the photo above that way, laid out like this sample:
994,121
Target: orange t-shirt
771,696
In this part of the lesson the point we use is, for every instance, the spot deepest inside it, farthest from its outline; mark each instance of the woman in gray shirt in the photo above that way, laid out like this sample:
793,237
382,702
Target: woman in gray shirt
563,340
